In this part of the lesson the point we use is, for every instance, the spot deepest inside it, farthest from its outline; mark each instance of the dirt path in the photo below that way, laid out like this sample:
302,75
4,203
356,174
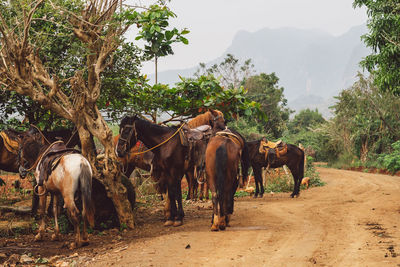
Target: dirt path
352,221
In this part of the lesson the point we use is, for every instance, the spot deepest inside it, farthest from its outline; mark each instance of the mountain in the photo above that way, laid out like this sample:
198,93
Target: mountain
312,65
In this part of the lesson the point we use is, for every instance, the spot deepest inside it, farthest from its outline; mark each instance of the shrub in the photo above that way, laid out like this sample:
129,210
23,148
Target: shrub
392,161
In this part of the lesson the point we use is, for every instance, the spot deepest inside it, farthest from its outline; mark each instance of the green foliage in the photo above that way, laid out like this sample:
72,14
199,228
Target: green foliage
384,39
311,172
153,23
241,194
365,123
264,89
190,97
305,119
282,184
391,161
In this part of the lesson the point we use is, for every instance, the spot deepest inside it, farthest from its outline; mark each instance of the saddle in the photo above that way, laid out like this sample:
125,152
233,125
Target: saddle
10,144
279,147
189,135
228,134
51,157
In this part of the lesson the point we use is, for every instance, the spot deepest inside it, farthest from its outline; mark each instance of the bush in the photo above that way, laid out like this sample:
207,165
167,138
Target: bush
392,161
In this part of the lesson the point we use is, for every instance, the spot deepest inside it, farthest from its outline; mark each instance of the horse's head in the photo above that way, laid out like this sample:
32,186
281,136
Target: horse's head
127,135
28,152
217,120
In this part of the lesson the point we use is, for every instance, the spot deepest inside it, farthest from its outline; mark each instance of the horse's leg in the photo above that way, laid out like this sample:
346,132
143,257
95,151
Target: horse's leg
189,179
180,213
170,204
73,214
42,213
257,180
56,233
297,181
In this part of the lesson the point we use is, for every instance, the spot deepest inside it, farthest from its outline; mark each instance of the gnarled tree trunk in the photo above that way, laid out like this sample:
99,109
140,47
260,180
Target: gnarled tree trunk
22,70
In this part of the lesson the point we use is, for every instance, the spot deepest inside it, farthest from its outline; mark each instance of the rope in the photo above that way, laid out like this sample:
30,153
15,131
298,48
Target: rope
160,144
41,156
44,137
72,135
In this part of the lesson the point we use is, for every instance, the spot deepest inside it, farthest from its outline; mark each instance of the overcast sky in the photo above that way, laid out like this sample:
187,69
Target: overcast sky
214,23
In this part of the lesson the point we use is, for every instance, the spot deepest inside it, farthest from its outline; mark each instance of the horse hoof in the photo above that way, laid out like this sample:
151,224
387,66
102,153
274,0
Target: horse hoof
261,196
222,227
177,223
214,228
169,223
85,242
255,196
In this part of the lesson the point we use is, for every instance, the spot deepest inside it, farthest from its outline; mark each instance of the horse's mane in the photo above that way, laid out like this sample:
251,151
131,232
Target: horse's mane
202,119
155,128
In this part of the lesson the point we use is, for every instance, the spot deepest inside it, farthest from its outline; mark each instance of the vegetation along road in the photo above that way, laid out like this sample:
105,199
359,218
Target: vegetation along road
352,221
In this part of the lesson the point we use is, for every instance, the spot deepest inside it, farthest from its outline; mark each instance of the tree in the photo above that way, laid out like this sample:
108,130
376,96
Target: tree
153,25
73,93
365,120
190,97
264,89
384,39
229,71
305,119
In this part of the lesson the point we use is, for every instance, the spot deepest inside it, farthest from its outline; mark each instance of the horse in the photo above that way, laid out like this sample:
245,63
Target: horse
70,177
215,119
294,159
222,162
133,159
9,144
168,161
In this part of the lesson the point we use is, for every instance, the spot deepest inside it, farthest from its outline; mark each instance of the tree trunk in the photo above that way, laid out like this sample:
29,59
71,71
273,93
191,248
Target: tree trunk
108,171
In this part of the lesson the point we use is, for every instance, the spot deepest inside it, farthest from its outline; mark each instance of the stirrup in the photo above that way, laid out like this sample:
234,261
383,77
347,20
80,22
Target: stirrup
36,192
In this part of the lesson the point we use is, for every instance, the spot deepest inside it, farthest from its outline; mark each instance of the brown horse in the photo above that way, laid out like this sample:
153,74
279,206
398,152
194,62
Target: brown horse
133,159
215,119
68,175
168,162
9,144
222,162
294,159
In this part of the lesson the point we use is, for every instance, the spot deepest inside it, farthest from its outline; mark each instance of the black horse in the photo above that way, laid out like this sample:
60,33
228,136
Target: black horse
294,159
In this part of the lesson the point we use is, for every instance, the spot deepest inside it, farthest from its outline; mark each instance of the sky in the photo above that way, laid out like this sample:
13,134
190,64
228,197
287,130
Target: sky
214,23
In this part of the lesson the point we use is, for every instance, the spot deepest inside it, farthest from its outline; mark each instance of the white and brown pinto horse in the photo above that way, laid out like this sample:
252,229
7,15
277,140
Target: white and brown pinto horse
71,177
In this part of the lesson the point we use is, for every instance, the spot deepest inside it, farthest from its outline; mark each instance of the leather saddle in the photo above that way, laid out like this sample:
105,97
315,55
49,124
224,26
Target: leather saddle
51,157
280,148
189,135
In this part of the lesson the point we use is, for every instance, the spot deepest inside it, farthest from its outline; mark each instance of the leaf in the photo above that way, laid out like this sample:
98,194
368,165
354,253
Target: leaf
184,40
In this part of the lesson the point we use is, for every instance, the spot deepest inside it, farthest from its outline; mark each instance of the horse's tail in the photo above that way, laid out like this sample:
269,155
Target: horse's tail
221,158
85,179
301,167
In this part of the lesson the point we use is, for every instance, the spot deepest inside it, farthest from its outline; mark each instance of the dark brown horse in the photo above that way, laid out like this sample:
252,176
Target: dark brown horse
294,159
222,162
215,119
168,162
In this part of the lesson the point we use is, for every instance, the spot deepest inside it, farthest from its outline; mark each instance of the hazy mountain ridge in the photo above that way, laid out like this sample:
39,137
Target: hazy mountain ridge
310,64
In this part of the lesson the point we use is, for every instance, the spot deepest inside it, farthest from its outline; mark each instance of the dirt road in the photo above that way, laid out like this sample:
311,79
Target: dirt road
352,221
